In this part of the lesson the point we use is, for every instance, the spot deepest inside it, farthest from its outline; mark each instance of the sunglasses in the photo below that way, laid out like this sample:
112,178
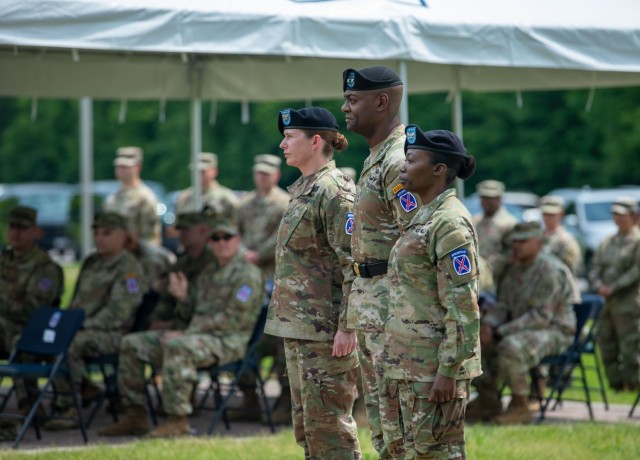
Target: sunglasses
221,237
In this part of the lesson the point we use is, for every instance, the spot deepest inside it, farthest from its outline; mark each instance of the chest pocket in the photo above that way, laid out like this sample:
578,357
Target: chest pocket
291,222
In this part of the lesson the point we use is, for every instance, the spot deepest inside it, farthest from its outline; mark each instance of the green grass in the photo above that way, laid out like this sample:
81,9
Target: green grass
584,441
70,275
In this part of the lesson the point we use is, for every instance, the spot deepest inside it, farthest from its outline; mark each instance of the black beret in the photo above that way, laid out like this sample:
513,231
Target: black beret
369,78
439,140
314,118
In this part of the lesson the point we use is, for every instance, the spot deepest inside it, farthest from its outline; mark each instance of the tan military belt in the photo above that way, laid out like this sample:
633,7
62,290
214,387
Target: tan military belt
371,269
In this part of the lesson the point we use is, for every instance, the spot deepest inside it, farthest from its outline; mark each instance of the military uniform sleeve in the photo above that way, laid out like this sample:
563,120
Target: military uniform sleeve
457,274
335,215
403,204
124,298
631,273
43,289
595,274
147,219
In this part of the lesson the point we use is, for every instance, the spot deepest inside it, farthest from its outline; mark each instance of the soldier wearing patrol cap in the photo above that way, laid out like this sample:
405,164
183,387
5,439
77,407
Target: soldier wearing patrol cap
312,284
260,214
492,225
432,350
557,240
532,318
109,289
382,210
29,279
134,200
228,296
220,201
615,274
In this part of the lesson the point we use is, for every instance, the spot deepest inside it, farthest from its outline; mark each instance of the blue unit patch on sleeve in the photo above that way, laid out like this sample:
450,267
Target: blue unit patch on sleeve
407,200
45,284
244,293
348,226
132,285
461,262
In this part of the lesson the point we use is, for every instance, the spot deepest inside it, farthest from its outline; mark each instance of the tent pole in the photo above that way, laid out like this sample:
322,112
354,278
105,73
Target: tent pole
196,148
456,122
404,103
86,173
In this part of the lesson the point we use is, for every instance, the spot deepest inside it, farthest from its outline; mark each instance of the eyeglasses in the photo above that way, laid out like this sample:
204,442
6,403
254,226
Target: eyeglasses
225,237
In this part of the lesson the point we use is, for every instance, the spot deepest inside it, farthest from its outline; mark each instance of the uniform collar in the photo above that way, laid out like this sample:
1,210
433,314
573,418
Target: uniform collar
304,185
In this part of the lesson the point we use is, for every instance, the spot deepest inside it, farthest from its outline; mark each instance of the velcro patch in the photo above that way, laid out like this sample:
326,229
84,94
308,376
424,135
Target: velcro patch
131,284
244,293
461,262
397,188
45,284
407,200
348,226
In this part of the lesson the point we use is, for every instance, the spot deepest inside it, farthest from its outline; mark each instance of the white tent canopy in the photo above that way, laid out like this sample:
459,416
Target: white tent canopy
281,49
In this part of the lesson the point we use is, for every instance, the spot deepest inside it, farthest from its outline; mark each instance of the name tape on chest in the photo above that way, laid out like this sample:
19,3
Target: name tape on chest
348,226
461,262
244,293
407,200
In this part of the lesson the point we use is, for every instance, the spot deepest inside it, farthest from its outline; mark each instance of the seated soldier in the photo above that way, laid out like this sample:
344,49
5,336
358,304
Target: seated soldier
533,318
229,294
109,289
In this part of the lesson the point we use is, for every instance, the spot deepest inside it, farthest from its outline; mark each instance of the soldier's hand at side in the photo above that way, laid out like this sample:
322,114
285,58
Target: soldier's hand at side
443,390
605,290
344,343
486,335
178,286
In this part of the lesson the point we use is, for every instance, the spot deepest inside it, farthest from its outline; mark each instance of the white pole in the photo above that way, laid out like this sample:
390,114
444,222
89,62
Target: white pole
404,103
196,148
456,121
86,173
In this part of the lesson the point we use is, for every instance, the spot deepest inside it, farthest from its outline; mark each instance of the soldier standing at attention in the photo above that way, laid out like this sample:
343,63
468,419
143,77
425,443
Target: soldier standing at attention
615,275
493,225
382,210
312,284
432,342
220,200
557,240
135,201
109,289
260,214
532,318
229,295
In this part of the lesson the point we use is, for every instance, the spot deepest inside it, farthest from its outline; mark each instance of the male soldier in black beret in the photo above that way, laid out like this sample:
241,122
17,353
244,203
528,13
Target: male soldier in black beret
382,209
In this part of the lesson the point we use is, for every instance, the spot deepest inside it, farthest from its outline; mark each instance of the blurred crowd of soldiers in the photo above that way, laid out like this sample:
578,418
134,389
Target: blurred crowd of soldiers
179,314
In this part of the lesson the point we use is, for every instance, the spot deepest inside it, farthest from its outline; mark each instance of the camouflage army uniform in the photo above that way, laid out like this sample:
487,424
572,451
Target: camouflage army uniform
155,260
491,232
433,325
228,301
534,316
27,282
221,200
617,264
309,305
180,313
109,292
564,246
379,219
138,205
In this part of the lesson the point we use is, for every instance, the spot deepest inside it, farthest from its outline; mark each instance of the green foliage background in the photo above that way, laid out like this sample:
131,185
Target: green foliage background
549,142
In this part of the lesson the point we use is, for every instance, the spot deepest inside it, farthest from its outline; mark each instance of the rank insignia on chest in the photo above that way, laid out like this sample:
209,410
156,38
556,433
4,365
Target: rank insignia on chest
244,293
407,200
348,226
131,284
45,284
461,262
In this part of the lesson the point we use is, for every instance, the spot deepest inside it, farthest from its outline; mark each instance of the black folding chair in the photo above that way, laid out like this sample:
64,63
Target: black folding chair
563,365
41,352
249,363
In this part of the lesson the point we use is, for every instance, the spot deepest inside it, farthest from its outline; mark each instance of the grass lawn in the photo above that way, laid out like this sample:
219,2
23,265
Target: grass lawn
584,441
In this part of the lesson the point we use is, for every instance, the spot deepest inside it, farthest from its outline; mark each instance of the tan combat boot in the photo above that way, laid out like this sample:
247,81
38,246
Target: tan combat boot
176,425
134,422
517,412
250,410
282,413
485,407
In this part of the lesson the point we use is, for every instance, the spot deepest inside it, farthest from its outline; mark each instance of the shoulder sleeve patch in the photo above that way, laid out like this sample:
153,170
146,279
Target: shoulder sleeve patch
348,226
45,284
131,283
407,200
244,293
461,265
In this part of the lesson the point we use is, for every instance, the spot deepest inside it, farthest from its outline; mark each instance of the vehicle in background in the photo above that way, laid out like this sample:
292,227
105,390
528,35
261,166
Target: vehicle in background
588,216
52,200
523,205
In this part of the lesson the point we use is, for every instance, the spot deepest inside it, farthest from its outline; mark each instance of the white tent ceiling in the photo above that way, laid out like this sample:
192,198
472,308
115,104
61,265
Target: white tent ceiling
281,49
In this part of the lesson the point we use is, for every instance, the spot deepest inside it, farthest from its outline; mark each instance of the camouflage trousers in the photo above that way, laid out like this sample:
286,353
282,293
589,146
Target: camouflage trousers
382,413
178,357
86,344
323,390
618,336
510,359
430,430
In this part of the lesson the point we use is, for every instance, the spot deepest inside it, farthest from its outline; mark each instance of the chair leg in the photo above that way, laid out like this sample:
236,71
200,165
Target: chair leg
152,411
76,402
635,403
585,385
265,402
603,388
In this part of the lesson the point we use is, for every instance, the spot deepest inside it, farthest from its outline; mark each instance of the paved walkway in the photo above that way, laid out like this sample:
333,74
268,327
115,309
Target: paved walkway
570,412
